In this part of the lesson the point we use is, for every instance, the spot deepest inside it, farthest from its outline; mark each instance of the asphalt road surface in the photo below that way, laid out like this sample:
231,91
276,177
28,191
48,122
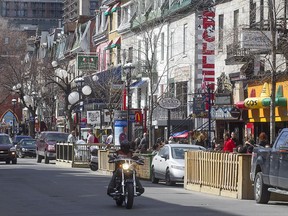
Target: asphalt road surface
31,189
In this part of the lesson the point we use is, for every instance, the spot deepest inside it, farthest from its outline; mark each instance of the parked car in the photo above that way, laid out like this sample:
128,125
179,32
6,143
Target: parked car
7,150
168,164
26,147
46,145
18,138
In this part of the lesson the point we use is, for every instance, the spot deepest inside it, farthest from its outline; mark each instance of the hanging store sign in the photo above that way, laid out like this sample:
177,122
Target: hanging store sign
169,103
87,62
256,39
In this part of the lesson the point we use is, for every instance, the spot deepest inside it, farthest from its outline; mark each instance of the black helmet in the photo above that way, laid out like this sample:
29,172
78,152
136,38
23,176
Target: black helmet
125,146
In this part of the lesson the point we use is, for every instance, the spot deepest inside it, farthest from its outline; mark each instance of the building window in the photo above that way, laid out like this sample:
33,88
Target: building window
221,31
252,13
111,22
235,26
130,54
139,50
261,14
118,18
185,27
155,48
6,40
162,46
172,44
125,14
118,55
146,48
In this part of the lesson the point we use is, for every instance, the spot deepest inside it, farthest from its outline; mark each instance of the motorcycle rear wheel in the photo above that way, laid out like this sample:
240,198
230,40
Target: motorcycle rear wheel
129,196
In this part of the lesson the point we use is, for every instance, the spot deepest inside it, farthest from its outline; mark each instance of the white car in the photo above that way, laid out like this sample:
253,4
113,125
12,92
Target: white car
168,164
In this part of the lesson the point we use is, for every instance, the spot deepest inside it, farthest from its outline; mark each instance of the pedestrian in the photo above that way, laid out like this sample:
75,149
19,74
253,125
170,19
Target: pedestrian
171,140
158,144
90,137
72,137
263,141
123,138
229,144
137,142
144,143
109,140
96,140
201,140
234,138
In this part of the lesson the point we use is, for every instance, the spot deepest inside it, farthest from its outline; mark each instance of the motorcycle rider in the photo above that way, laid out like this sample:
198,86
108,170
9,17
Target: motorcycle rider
125,152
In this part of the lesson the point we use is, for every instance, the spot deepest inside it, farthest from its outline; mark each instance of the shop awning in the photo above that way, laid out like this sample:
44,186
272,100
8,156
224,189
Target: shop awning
108,11
116,7
108,45
116,43
182,134
138,84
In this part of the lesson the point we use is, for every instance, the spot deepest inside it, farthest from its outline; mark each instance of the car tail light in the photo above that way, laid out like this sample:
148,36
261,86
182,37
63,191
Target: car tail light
51,148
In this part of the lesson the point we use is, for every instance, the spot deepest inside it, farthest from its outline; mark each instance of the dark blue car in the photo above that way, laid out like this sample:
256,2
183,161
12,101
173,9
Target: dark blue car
18,138
26,147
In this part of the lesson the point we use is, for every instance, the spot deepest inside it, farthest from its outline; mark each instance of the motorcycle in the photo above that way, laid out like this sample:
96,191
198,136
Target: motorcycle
125,180
93,161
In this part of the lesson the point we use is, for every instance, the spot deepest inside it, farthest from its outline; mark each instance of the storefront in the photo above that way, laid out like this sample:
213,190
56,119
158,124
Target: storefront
228,119
258,106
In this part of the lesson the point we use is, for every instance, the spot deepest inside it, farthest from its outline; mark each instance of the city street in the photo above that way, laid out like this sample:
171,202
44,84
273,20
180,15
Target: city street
31,189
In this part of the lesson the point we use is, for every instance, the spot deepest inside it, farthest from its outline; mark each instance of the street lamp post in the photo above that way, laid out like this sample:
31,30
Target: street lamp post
79,82
128,68
14,101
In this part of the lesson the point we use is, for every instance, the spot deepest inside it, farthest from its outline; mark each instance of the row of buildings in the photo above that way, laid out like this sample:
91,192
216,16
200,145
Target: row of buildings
216,58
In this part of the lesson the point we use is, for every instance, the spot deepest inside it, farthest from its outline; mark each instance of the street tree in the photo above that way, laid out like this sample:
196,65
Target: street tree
17,75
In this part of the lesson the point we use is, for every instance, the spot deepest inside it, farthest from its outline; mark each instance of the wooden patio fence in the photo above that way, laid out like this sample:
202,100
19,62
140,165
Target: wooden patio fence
224,174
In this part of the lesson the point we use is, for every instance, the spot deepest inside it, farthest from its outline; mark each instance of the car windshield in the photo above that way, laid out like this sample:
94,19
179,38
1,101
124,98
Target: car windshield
59,137
178,152
18,138
28,142
5,140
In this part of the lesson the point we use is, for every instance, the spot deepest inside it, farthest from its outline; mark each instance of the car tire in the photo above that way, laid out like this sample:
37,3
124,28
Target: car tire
154,180
38,158
14,161
46,159
261,193
168,178
7,161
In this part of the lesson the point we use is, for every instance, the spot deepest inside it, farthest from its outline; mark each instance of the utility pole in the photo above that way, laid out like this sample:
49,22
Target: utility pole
272,15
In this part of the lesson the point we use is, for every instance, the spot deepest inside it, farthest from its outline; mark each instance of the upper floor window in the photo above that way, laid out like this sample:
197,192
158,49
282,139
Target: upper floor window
162,46
185,28
220,31
172,41
235,25
118,18
6,40
130,55
139,50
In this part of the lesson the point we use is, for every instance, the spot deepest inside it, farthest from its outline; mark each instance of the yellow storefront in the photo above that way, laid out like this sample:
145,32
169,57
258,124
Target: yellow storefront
258,105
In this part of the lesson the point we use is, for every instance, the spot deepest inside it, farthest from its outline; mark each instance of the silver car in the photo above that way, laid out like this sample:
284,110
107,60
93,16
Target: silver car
168,164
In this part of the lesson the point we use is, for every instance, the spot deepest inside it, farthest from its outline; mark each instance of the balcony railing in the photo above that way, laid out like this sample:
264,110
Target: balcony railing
237,55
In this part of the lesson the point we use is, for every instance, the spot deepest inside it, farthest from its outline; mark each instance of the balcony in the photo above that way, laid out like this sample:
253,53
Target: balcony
237,55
